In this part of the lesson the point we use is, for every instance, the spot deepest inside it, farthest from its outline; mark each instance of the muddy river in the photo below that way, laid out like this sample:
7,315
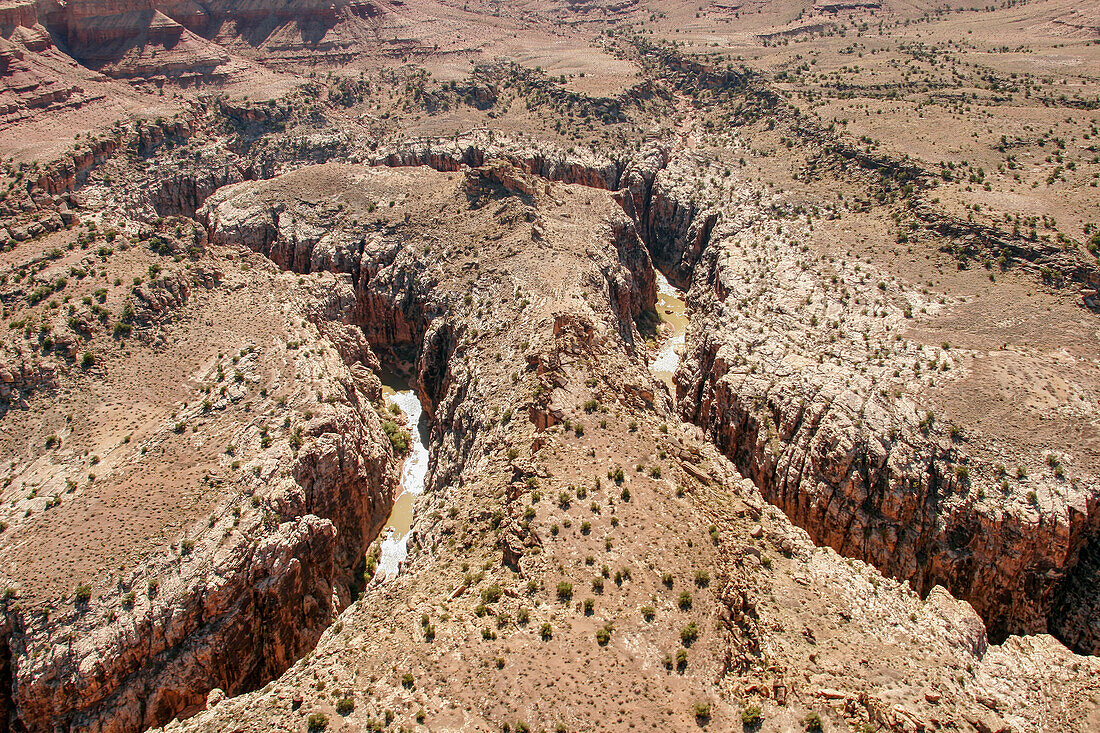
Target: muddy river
395,535
673,312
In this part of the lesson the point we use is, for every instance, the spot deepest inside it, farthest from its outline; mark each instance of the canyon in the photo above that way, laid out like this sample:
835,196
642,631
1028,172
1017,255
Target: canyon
401,365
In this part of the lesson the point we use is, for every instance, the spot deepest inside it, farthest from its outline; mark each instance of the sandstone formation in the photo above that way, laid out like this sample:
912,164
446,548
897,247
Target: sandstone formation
243,245
572,352
247,591
866,473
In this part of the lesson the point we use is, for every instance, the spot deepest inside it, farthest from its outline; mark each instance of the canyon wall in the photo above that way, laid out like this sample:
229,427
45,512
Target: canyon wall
250,590
860,472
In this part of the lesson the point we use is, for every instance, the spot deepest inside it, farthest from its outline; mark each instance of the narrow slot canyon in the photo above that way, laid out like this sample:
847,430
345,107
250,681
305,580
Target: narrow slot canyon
372,290
396,535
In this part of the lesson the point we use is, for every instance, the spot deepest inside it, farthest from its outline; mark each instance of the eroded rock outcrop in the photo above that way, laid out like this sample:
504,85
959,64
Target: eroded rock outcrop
131,38
796,407
579,166
513,372
244,593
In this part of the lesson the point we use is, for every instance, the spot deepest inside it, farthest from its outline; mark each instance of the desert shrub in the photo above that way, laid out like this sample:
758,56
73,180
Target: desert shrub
399,439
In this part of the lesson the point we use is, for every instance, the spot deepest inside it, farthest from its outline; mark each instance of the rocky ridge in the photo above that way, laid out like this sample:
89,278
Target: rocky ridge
245,593
488,462
772,426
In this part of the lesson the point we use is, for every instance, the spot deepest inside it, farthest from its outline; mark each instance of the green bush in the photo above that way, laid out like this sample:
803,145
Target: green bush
399,439
750,715
317,722
345,706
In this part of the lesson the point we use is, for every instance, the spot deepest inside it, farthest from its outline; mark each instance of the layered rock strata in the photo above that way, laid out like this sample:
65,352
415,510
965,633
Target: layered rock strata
243,593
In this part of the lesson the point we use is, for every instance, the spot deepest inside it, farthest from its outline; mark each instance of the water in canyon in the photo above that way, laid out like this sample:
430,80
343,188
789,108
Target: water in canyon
673,312
395,535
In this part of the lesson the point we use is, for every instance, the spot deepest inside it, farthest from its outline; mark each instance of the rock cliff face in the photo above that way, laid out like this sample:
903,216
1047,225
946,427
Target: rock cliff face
283,31
34,76
869,476
186,40
583,167
131,38
243,595
21,28
19,13
862,477
241,617
674,225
